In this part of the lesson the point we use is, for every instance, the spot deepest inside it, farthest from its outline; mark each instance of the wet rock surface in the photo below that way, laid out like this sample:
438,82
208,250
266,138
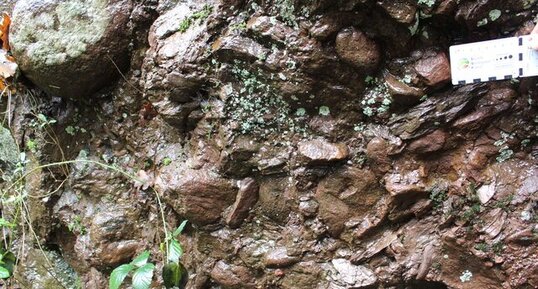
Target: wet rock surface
71,49
309,145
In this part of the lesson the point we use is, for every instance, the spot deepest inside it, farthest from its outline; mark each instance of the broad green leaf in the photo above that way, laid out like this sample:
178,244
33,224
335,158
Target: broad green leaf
174,251
174,275
180,229
142,276
171,275
9,261
141,259
4,273
118,275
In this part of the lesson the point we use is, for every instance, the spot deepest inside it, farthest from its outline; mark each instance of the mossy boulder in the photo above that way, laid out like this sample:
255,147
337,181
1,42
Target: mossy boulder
69,48
9,152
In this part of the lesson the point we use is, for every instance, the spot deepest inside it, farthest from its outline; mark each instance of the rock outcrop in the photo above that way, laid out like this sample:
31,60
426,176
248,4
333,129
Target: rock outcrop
71,48
309,144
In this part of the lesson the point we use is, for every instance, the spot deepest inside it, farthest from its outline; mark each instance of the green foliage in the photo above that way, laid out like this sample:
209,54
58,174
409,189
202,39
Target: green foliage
255,106
377,99
286,11
7,262
166,161
173,275
41,121
197,17
497,247
482,247
504,202
428,3
471,213
174,272
76,225
438,195
142,273
324,110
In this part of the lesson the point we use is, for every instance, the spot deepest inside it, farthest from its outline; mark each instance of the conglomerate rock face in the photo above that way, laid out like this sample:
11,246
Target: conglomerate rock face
310,144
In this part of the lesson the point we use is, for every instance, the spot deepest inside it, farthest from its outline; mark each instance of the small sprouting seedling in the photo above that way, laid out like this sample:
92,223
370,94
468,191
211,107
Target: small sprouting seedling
174,273
142,273
42,121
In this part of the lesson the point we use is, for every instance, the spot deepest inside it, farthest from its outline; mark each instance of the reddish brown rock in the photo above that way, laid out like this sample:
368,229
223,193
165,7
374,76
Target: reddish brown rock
232,276
429,143
408,182
279,258
355,48
348,193
434,68
246,198
401,11
320,152
401,92
198,195
493,103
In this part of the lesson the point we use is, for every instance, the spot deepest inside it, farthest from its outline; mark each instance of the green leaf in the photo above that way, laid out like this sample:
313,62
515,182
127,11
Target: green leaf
180,228
142,276
9,260
141,259
4,273
5,223
174,275
174,251
171,275
118,275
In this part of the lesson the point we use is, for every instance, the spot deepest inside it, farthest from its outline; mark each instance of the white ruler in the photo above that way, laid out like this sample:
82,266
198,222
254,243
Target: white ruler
500,59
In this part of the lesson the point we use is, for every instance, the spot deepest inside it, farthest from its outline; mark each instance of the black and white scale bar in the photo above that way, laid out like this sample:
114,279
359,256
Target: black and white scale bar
501,59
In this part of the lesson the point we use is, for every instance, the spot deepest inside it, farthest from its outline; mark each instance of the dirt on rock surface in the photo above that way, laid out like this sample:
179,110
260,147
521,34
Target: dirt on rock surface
309,144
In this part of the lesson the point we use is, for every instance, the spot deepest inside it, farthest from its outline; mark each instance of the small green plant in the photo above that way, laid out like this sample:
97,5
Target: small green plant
166,161
7,262
173,272
504,202
466,276
377,99
428,3
76,226
286,11
438,195
198,16
497,248
72,130
324,110
471,213
42,121
142,273
482,247
250,103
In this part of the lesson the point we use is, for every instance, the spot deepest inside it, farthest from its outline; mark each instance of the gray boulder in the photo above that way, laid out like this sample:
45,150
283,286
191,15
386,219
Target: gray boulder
68,47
